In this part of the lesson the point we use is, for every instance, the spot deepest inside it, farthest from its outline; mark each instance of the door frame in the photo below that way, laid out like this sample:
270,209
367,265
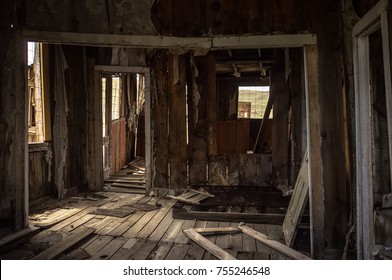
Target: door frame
374,20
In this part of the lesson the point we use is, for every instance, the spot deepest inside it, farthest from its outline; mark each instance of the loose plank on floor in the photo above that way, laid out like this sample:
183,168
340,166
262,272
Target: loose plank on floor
68,242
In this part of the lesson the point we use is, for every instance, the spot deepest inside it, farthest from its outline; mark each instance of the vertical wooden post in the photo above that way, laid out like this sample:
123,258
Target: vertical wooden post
197,121
19,147
160,119
316,187
298,127
280,93
177,121
211,104
94,128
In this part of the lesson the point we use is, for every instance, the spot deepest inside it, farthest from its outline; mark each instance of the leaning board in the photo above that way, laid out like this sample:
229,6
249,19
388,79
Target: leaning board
297,204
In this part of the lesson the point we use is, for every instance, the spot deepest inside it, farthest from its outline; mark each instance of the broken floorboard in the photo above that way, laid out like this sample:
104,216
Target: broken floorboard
156,233
196,235
64,245
192,196
182,213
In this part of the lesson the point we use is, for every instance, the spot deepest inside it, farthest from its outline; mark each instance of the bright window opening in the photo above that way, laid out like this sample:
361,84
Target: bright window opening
252,102
35,94
115,98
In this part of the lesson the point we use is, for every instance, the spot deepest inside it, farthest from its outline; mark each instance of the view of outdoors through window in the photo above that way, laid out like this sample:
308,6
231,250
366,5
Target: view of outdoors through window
252,102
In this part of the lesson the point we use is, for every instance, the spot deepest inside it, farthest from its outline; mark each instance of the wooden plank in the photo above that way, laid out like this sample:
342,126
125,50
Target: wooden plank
297,204
197,120
229,217
94,129
109,228
245,256
129,185
17,235
64,245
178,252
222,240
142,249
273,244
181,238
314,140
163,226
195,252
153,223
128,223
248,243
119,212
160,119
139,225
95,246
125,251
280,91
173,231
110,249
235,241
208,245
217,230
242,136
161,251
211,104
177,121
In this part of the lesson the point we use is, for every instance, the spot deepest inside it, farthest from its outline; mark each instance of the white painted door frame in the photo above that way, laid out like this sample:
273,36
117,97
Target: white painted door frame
375,19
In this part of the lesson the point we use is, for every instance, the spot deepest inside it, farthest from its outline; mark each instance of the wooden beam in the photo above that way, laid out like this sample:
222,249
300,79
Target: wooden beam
197,120
263,41
316,186
280,92
264,120
94,129
172,42
211,104
208,245
159,79
69,241
19,234
218,230
287,251
229,217
177,121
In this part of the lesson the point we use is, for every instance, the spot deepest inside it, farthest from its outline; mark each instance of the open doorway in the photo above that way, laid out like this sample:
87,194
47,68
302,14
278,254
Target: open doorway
123,128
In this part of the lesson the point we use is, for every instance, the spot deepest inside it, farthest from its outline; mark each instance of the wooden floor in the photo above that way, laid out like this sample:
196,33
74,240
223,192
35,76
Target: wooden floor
140,236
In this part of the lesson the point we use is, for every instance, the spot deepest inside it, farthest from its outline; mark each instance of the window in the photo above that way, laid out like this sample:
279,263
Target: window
252,102
115,98
35,95
103,89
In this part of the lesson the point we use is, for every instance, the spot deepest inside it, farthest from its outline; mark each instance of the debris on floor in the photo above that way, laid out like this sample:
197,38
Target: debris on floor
192,196
118,212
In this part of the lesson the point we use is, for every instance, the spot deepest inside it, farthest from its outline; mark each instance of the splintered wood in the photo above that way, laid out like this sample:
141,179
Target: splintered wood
192,196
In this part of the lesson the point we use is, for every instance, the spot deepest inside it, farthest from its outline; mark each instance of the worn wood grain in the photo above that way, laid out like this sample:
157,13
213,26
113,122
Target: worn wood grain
64,245
177,121
208,245
297,204
273,244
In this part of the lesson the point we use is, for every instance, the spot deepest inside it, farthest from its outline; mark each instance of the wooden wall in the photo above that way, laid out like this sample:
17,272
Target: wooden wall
168,17
239,136
118,157
40,175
